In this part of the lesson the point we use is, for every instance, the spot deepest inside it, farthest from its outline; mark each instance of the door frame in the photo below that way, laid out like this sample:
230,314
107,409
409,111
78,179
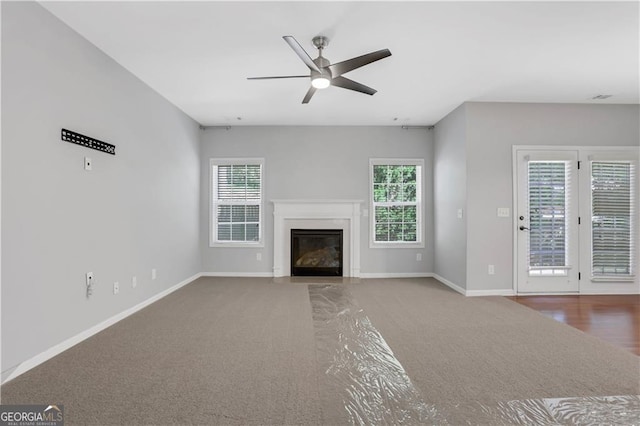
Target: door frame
584,284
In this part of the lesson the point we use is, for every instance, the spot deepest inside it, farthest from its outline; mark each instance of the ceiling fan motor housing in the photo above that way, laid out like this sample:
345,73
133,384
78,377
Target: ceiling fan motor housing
322,63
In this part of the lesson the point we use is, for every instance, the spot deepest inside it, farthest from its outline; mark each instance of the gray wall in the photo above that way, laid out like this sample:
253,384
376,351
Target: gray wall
450,195
491,131
316,163
135,211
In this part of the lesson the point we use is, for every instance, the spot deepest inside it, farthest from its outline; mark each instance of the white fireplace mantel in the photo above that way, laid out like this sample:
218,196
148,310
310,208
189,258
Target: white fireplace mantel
336,214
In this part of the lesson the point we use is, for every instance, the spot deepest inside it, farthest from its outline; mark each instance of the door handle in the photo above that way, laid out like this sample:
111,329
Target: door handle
523,228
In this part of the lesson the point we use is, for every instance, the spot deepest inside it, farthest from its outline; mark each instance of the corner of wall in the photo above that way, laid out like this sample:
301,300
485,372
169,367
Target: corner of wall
450,207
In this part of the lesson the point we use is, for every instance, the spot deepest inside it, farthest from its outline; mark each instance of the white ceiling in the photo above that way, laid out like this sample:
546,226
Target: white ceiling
199,54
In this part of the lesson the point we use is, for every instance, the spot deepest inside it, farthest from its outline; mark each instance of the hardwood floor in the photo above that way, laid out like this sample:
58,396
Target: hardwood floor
615,319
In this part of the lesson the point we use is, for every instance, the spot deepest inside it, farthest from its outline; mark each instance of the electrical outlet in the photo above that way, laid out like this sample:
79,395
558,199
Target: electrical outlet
116,288
153,274
460,213
258,256
87,163
90,281
492,269
134,282
418,257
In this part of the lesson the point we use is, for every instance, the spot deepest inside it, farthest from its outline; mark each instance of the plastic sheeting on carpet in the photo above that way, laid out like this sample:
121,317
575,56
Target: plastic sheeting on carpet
596,411
375,389
373,386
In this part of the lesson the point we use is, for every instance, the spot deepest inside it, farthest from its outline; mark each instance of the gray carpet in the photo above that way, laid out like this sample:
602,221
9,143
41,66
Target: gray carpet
490,349
244,351
470,355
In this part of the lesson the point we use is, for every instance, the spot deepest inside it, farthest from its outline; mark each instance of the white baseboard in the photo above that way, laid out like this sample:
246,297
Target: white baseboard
474,293
72,341
361,275
492,292
396,275
450,284
238,274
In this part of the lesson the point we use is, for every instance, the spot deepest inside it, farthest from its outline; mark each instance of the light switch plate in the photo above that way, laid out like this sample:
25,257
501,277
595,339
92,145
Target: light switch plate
503,211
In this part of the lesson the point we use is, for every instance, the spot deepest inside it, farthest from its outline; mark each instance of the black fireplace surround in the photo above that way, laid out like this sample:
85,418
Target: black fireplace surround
316,252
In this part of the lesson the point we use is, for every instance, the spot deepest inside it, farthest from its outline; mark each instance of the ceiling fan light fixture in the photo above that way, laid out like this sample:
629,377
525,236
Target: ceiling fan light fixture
320,82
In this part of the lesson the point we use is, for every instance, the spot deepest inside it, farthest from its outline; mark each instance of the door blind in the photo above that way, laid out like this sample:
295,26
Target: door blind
612,221
549,190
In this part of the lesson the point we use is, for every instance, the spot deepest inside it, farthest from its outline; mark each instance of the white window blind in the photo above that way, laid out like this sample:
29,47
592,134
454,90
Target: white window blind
237,202
612,221
396,199
549,192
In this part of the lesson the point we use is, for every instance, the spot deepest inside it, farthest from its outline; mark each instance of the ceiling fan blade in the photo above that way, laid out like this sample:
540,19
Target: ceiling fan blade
301,53
345,83
357,62
278,76
309,94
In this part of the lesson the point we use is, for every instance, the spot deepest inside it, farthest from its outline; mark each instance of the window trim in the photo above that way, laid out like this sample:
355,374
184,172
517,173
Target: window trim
213,221
420,226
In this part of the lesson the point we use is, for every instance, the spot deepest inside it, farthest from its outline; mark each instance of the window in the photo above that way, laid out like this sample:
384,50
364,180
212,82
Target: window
612,219
396,197
236,207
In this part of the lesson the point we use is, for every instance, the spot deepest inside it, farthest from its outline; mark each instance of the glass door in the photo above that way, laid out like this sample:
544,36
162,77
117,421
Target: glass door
547,222
609,233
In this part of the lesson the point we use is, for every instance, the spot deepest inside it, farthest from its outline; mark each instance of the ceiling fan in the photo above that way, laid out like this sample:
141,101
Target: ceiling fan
323,73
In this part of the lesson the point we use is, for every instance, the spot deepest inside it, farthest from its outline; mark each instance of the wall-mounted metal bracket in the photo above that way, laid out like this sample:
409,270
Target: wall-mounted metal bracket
86,141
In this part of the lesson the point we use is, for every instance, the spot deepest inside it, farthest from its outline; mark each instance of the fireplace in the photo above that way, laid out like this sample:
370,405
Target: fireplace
316,252
316,214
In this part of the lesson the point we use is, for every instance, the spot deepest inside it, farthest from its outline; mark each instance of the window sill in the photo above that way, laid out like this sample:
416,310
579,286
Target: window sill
237,244
396,245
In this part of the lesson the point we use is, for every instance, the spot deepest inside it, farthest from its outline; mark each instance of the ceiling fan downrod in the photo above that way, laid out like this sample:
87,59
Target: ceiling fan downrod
320,42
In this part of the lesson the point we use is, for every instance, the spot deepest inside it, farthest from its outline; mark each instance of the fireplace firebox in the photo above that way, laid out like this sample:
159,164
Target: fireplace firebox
316,252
